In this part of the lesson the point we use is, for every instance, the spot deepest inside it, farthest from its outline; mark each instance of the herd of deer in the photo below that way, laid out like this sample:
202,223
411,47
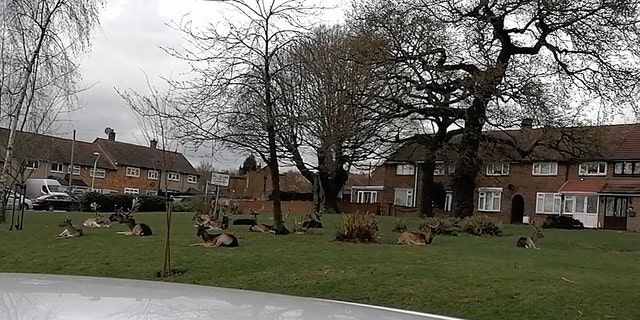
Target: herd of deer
207,221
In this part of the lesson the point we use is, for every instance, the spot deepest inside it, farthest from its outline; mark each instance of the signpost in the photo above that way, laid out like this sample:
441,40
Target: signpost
218,180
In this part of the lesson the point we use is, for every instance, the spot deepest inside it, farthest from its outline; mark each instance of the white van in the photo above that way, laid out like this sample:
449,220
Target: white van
39,187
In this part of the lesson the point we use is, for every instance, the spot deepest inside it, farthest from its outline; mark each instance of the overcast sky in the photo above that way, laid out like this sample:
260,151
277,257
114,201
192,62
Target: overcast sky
126,46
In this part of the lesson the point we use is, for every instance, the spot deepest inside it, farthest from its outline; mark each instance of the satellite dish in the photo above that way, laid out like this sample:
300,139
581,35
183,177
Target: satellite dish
108,130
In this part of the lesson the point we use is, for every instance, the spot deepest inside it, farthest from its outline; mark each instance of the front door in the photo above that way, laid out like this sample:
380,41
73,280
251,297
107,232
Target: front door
615,213
517,209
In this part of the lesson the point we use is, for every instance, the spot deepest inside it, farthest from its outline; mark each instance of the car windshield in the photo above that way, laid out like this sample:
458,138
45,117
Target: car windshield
54,188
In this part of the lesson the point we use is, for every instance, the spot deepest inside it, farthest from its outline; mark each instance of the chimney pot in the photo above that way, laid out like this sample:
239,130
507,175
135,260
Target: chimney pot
112,136
153,143
527,123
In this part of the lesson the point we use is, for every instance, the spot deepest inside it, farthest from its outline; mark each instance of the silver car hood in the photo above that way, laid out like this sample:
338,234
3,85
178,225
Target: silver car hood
56,297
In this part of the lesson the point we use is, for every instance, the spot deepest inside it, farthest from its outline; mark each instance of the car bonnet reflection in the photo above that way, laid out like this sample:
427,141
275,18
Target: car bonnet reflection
25,296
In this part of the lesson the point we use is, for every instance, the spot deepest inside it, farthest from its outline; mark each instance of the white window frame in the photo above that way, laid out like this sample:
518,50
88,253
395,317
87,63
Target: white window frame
32,164
76,170
133,172
59,167
366,196
625,168
152,192
131,191
587,168
440,169
544,169
489,199
571,204
405,169
153,174
406,199
542,199
498,169
99,173
192,179
173,176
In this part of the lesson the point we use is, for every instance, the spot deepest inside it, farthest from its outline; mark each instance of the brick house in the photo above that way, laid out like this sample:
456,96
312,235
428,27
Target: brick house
120,167
589,173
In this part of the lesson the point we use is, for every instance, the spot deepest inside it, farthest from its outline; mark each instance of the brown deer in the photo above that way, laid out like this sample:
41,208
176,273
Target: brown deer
530,242
135,229
215,240
99,221
206,220
69,230
418,237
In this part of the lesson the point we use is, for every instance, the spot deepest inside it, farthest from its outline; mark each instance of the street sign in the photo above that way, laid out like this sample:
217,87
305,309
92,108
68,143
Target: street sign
220,179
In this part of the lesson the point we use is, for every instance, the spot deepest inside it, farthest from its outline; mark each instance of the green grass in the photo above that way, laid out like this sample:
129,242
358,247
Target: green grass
586,274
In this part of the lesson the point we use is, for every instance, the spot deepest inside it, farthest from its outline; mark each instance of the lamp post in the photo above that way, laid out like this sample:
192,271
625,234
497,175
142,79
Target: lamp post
93,179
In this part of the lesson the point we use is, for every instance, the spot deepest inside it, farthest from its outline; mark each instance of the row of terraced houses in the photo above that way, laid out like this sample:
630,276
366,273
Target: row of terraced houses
119,167
589,173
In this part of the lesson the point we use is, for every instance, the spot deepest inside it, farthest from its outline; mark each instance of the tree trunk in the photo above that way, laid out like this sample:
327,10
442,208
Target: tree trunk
332,183
426,199
468,164
278,222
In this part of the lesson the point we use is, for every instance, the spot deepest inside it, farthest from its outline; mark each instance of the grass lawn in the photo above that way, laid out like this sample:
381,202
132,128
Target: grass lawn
586,274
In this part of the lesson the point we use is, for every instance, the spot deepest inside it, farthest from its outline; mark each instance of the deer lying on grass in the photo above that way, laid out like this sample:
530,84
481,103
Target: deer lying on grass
135,229
418,237
215,240
206,220
69,230
530,242
99,221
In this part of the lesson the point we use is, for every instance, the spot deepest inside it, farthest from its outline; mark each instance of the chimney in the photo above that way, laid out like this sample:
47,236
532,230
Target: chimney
527,123
153,143
112,135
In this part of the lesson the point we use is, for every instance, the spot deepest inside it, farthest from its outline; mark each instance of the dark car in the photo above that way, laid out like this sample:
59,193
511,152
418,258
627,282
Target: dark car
52,202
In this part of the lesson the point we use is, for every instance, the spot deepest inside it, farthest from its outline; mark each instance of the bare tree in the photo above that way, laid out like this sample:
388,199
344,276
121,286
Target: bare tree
149,109
324,93
233,99
39,44
502,60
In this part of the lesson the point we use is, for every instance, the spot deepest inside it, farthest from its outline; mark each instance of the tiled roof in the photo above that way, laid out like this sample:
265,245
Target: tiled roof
611,142
582,186
128,154
617,186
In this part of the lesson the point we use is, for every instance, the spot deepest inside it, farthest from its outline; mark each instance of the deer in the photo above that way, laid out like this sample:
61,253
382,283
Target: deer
530,242
418,237
204,219
135,229
69,230
98,221
215,240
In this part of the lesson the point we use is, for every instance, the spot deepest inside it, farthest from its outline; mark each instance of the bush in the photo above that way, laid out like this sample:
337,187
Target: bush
109,202
449,226
480,225
358,227
400,226
184,206
562,222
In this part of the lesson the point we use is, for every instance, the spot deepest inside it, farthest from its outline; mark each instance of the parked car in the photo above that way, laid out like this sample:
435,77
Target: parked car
19,200
52,202
41,296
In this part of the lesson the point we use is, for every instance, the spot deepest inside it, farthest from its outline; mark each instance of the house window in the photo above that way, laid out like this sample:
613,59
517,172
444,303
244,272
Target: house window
99,173
626,168
403,197
192,179
152,192
133,172
439,169
545,169
76,170
580,204
489,199
153,175
57,167
548,203
173,176
367,197
593,169
31,164
405,169
131,191
498,169
616,207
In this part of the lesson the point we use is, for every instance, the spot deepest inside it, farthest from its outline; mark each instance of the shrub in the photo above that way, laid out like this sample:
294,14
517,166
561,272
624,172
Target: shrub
357,227
400,226
448,226
184,206
562,222
480,225
109,202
